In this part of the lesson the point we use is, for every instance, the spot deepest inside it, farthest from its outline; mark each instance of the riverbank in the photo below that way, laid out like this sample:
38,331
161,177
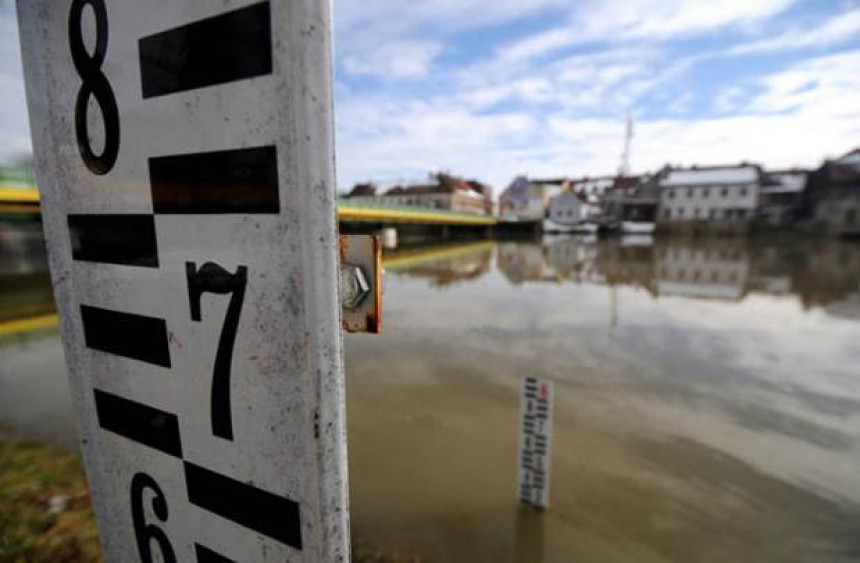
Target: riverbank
46,514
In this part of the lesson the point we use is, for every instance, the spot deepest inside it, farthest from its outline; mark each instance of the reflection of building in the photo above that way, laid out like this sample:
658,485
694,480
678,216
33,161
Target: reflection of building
524,200
830,272
715,199
25,285
834,196
848,308
521,262
713,270
623,264
22,248
823,274
571,259
447,193
445,265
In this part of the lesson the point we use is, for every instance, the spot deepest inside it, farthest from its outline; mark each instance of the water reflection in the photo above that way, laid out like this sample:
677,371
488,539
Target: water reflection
707,409
822,274
25,286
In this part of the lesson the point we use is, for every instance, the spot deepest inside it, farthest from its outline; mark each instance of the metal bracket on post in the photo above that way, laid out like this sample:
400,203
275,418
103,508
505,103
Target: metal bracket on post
361,283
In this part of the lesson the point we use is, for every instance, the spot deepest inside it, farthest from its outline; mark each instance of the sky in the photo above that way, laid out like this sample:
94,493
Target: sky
491,89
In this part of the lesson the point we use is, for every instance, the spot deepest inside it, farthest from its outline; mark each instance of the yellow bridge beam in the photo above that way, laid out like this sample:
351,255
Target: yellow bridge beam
26,200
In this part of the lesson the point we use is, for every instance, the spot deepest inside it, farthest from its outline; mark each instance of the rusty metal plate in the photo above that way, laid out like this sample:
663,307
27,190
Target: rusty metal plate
361,283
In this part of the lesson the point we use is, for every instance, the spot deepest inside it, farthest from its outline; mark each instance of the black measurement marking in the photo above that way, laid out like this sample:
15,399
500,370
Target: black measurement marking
114,239
231,181
145,533
94,84
225,48
212,278
263,512
206,555
126,334
138,422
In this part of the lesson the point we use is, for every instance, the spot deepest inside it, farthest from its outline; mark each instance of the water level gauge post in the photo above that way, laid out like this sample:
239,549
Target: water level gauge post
185,161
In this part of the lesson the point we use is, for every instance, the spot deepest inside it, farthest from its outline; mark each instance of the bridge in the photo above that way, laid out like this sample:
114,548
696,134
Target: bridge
16,200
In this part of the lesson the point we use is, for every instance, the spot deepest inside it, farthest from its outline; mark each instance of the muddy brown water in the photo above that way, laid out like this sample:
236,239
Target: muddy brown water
707,398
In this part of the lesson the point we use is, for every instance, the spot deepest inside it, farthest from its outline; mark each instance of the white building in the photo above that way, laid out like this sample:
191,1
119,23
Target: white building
566,208
709,197
524,200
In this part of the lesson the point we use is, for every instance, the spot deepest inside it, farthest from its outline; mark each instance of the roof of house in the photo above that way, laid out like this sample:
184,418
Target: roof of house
784,182
711,176
445,184
852,159
843,171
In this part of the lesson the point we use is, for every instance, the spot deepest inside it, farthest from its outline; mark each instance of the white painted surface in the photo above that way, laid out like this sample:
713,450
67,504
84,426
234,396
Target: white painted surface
565,208
786,182
738,175
287,380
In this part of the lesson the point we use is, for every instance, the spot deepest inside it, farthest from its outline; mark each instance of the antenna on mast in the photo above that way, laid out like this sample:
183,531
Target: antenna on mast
624,168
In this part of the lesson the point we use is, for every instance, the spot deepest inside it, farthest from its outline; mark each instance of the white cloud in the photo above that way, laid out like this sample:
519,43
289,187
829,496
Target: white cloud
403,59
841,28
827,86
799,116
653,20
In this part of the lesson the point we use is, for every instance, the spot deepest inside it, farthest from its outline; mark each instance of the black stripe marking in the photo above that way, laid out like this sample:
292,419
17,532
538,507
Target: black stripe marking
232,181
114,239
217,50
126,334
206,555
138,422
246,505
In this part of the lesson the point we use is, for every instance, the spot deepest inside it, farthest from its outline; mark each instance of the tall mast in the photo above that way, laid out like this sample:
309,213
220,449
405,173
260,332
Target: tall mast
624,168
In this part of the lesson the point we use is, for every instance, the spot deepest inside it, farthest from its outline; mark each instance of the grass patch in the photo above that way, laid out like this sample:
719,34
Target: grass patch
45,510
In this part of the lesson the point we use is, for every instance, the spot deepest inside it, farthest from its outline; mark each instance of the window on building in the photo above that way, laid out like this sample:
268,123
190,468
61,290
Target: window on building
671,194
696,213
680,213
851,216
713,214
667,214
689,192
706,193
743,192
724,192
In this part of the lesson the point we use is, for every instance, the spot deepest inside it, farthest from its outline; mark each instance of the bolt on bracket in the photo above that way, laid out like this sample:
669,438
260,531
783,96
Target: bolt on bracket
361,283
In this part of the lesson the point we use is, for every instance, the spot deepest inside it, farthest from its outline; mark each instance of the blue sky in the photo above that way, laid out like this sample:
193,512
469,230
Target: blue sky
491,89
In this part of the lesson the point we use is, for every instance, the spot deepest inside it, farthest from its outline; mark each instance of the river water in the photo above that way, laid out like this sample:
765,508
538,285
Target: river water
707,397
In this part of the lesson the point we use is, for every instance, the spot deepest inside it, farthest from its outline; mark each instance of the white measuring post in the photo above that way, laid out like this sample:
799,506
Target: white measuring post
184,155
536,409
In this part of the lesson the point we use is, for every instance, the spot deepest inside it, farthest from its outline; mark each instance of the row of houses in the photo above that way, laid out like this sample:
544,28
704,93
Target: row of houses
713,199
442,192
